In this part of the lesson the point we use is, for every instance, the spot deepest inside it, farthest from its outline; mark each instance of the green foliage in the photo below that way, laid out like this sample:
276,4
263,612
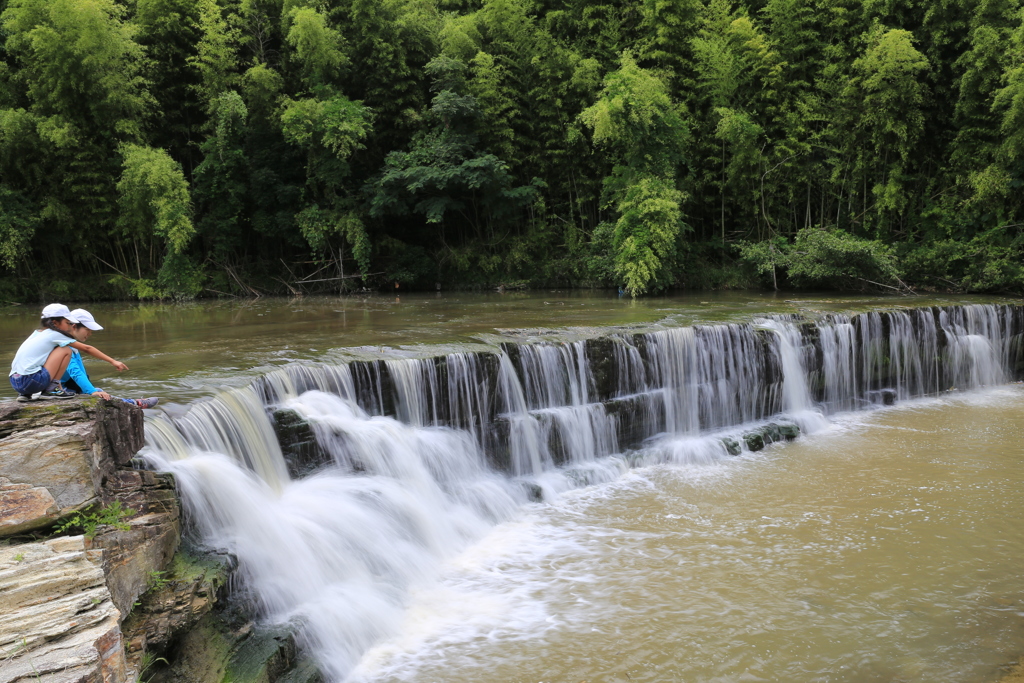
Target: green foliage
80,62
444,176
170,148
179,277
990,262
317,45
336,124
89,522
826,259
645,234
156,579
766,257
154,198
18,224
635,118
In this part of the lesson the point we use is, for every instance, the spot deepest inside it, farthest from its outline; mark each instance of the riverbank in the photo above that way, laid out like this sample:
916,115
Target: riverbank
1015,676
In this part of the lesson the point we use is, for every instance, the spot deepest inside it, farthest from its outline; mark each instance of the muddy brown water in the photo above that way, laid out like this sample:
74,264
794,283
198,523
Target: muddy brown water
887,548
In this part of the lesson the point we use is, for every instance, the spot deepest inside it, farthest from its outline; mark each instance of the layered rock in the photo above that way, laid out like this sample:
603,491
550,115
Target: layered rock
68,448
86,608
62,600
24,507
58,623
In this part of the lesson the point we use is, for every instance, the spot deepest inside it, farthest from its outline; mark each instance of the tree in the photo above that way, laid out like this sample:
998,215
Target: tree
443,176
329,128
80,93
156,217
883,119
636,121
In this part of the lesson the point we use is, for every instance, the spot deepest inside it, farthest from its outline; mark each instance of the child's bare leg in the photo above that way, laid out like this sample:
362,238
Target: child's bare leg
57,362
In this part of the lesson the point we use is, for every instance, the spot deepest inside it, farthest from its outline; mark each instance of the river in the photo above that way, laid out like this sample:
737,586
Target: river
182,352
533,517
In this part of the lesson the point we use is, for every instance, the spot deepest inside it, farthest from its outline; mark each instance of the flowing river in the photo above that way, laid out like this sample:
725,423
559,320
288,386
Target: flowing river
570,487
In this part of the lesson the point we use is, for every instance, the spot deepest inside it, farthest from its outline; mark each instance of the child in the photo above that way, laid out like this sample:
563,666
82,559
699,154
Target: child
75,377
43,358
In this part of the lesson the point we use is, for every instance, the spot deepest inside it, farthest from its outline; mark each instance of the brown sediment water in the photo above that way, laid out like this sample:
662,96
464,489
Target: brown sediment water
888,547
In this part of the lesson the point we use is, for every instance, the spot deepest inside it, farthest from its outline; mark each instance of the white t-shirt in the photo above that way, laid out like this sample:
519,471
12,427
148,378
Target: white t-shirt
36,349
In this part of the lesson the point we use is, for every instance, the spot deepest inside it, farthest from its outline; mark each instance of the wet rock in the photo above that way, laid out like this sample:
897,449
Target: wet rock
217,650
302,452
263,657
533,491
636,418
176,600
132,555
789,431
754,440
304,671
373,386
732,446
601,362
771,433
58,622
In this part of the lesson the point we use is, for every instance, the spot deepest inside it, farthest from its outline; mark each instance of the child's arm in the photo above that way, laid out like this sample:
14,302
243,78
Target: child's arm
76,371
96,353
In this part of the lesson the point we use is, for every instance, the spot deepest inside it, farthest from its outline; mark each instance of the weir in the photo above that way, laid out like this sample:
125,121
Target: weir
411,460
532,407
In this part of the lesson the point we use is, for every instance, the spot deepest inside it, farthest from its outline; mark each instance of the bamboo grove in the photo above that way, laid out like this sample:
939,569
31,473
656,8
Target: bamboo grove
181,148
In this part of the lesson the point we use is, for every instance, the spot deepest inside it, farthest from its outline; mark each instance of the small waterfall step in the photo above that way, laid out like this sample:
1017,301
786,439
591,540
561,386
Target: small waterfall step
530,407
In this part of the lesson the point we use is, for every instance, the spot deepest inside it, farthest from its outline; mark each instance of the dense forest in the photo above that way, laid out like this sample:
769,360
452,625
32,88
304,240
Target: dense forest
181,148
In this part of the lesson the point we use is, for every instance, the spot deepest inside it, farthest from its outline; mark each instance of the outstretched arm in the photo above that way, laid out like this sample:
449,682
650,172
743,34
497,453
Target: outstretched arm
96,353
76,371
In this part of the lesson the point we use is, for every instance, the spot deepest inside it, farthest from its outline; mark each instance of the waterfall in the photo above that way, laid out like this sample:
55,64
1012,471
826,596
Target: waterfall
839,367
341,488
334,555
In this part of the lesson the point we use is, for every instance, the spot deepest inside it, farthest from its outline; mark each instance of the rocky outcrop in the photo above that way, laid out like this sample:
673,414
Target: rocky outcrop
24,507
58,623
101,606
176,600
132,555
215,651
62,600
68,448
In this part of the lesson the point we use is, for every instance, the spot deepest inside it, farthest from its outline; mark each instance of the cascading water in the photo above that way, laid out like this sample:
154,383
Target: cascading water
796,397
416,458
333,555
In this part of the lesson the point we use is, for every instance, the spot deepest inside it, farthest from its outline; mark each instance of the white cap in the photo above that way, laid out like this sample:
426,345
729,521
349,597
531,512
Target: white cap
59,311
85,318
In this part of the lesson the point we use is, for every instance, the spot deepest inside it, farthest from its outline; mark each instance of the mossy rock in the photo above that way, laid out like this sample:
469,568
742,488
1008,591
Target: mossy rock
215,651
789,431
732,446
264,656
754,441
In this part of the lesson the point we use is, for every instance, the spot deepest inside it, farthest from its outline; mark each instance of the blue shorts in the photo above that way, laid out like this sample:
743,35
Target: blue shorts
26,385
